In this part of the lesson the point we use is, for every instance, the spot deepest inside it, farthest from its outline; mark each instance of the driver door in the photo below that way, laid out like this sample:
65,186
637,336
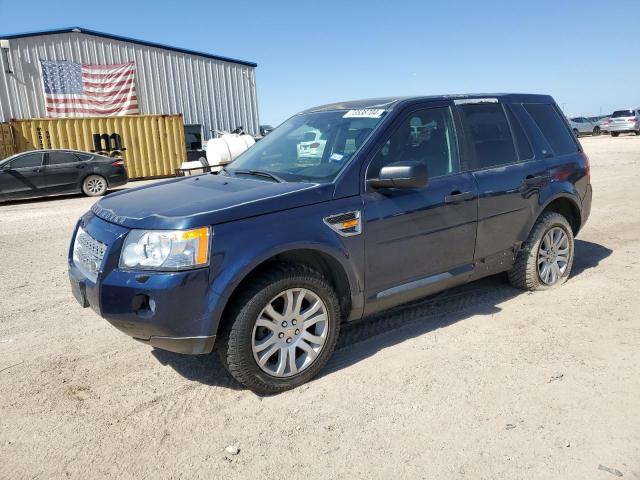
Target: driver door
420,240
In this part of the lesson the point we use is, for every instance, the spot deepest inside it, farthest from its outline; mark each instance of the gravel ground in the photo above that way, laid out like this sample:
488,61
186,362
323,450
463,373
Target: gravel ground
481,382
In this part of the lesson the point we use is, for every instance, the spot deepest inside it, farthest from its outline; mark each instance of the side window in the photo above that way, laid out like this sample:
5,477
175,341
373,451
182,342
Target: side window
525,152
424,136
27,161
59,158
552,127
489,134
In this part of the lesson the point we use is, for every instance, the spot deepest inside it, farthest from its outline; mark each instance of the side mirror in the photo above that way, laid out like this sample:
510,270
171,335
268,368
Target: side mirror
400,175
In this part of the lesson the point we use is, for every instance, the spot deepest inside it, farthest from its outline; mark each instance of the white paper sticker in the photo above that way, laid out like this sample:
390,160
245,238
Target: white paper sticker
336,157
364,113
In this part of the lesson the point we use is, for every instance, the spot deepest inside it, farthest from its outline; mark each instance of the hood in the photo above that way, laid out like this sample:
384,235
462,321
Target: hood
205,200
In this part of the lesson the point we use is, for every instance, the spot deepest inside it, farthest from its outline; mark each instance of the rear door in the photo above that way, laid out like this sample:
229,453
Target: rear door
63,171
509,176
23,176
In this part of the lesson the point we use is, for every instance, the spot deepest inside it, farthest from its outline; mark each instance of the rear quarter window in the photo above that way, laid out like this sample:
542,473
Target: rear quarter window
552,127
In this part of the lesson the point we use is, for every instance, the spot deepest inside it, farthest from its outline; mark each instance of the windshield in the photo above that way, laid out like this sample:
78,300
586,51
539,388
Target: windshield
623,113
311,147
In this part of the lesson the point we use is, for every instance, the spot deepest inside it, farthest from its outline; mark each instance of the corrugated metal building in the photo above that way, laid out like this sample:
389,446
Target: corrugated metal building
210,91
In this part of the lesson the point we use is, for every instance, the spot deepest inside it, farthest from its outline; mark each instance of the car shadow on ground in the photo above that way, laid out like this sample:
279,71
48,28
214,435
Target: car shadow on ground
364,338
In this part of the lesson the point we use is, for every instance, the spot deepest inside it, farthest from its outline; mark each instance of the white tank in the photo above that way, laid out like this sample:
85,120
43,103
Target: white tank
226,148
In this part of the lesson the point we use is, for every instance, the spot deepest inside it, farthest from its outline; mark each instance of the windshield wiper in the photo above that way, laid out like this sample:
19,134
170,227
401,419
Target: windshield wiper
258,173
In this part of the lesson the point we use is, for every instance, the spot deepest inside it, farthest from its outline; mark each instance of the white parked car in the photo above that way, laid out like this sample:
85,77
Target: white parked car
311,148
583,126
624,121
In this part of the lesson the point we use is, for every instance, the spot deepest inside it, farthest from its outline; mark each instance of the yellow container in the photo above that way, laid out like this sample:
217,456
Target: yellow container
150,145
7,147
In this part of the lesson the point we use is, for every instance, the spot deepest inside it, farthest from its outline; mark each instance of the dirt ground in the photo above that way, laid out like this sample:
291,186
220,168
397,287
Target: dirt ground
483,382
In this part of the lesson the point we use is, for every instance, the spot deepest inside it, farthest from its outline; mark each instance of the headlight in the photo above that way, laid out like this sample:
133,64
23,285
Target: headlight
166,249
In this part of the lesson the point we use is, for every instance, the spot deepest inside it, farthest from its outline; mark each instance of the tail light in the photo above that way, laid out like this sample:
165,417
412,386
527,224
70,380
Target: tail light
587,166
117,163
314,145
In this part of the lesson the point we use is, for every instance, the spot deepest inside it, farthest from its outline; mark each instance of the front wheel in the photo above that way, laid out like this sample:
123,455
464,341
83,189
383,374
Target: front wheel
547,256
596,131
576,132
281,330
615,134
94,186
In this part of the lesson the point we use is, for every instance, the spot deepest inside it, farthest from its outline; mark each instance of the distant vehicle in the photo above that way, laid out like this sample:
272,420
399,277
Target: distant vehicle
583,126
624,121
602,122
39,173
267,261
265,130
311,147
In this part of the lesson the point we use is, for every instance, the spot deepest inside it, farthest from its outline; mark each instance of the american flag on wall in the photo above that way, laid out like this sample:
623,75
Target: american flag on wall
82,90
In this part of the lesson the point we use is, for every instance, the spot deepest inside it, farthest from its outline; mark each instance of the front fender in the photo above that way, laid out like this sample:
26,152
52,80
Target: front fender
241,246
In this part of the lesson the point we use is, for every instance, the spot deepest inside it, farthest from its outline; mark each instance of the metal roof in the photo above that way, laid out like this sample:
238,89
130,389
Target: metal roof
125,39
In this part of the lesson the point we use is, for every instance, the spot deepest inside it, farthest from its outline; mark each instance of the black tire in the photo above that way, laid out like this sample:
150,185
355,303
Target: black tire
524,273
596,131
576,133
637,132
94,185
615,134
235,339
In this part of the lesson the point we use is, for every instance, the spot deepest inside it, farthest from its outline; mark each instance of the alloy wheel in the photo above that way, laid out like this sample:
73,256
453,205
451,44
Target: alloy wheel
553,255
290,332
95,185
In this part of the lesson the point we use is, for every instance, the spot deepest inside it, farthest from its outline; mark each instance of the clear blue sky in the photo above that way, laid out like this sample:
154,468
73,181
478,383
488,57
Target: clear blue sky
585,53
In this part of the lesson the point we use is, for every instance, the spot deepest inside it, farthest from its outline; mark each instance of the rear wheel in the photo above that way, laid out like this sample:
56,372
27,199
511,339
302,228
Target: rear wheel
281,330
94,186
637,132
576,132
547,257
596,131
615,134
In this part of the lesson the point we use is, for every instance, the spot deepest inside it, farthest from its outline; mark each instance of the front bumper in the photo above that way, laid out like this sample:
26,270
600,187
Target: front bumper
185,345
173,311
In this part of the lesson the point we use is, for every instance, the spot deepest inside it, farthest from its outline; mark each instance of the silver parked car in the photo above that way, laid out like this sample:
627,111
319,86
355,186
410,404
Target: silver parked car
624,121
583,126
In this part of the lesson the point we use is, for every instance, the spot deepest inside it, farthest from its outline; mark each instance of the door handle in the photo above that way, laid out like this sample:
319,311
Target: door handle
37,170
533,178
458,196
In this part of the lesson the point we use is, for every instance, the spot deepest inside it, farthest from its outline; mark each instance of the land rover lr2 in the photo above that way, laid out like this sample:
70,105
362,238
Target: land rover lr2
402,198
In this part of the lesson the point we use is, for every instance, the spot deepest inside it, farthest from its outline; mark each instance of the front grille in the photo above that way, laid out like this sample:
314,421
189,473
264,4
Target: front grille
88,254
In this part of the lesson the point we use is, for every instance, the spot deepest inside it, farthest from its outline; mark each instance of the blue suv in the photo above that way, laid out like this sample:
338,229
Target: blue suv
394,199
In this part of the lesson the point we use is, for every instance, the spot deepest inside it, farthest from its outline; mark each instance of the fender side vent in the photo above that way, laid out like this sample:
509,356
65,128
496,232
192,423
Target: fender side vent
345,224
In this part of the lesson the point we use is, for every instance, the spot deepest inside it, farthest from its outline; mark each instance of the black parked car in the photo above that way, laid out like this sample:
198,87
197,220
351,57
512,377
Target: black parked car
39,173
405,197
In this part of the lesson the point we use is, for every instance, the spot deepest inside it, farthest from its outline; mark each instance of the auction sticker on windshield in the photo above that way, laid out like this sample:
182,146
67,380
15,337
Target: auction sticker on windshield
364,113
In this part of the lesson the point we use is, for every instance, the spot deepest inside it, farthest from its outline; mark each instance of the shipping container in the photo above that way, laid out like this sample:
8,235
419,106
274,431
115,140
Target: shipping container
150,145
7,147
